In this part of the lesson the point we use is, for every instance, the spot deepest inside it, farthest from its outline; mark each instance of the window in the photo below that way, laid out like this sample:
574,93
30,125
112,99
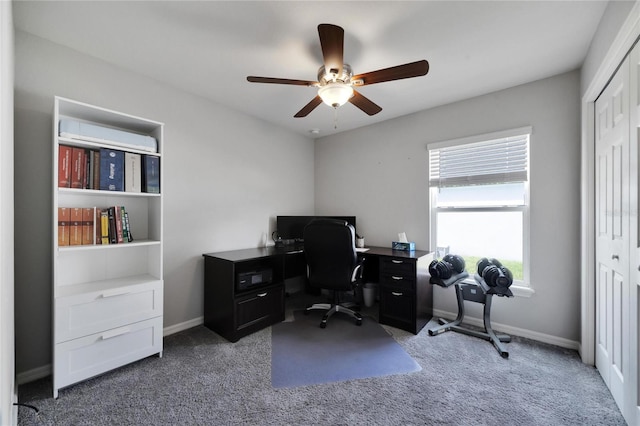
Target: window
479,189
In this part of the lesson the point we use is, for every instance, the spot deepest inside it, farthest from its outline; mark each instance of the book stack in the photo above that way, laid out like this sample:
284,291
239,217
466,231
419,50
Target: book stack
93,225
107,169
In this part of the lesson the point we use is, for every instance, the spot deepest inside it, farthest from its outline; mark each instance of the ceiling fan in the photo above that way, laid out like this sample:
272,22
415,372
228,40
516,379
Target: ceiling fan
336,80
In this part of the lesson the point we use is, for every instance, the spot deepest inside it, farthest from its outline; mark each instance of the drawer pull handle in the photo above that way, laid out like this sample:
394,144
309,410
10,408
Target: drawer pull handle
115,333
396,278
116,292
261,294
397,261
396,294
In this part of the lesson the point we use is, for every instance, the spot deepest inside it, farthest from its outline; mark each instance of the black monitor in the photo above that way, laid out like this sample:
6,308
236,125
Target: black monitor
291,227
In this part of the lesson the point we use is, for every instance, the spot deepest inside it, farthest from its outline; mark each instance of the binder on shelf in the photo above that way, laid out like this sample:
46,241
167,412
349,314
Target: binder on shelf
132,172
88,220
77,168
86,173
90,177
104,226
64,217
151,174
75,230
111,170
98,225
88,169
125,228
96,169
64,166
117,217
126,221
113,235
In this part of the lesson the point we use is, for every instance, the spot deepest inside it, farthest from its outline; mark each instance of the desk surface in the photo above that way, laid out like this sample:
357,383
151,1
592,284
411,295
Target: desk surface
261,252
386,251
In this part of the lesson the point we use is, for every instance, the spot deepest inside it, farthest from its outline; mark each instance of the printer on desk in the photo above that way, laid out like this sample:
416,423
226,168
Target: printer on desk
246,280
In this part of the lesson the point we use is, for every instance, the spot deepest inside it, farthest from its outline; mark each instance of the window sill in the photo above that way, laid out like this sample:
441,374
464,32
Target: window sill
522,291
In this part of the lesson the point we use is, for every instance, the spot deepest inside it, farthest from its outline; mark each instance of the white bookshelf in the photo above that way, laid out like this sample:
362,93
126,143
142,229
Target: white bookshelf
107,299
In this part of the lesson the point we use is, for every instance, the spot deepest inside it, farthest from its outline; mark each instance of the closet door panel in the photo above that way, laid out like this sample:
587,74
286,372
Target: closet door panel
632,394
613,233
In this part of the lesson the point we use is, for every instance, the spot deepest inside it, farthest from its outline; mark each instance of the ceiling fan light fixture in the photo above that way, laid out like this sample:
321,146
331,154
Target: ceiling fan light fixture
335,94
336,80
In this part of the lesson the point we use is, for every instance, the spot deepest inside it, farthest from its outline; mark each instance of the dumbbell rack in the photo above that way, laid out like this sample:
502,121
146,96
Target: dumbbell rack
478,292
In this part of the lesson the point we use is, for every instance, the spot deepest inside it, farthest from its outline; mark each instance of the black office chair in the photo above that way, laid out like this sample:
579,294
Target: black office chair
332,263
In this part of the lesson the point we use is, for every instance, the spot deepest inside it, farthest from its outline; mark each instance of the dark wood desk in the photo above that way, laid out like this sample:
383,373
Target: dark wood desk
406,299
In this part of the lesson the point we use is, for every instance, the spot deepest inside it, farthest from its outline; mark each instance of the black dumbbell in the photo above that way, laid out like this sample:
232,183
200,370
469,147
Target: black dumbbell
457,262
493,273
495,262
506,279
440,269
482,264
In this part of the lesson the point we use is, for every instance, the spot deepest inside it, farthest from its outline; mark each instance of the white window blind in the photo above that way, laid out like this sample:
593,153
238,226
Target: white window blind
503,160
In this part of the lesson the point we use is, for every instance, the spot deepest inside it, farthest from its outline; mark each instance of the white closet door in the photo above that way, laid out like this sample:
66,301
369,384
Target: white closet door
632,403
612,233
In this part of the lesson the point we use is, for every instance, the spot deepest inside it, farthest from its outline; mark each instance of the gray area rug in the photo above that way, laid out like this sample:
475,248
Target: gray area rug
204,380
302,353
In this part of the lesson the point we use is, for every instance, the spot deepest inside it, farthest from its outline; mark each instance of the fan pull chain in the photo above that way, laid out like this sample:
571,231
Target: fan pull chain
335,117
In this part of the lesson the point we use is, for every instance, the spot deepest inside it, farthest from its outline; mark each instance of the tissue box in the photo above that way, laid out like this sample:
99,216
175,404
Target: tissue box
397,245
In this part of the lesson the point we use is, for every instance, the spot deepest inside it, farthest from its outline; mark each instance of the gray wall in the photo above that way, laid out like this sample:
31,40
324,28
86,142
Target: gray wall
614,16
222,190
380,174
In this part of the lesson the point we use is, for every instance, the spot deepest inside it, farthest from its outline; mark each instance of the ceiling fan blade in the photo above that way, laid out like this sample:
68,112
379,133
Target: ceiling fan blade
309,107
413,69
332,42
364,103
254,79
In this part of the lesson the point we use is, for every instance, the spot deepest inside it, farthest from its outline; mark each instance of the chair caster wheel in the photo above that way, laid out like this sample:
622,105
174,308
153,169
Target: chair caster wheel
306,312
359,322
323,324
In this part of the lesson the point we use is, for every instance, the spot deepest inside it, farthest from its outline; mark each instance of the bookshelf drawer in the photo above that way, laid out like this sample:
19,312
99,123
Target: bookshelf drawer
79,359
92,312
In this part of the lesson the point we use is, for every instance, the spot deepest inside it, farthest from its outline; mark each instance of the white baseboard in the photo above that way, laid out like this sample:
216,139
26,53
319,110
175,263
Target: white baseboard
34,374
515,331
183,326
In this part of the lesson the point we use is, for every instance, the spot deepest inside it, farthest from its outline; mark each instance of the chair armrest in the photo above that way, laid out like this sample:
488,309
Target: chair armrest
357,271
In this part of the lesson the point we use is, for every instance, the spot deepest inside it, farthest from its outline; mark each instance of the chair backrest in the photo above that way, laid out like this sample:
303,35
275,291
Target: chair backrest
329,246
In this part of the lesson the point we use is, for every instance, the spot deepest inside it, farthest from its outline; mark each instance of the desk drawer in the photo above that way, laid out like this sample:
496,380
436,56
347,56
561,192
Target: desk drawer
259,309
399,281
397,308
85,314
398,267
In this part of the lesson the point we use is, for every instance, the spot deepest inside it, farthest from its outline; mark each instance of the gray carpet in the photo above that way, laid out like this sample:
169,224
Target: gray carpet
303,354
204,380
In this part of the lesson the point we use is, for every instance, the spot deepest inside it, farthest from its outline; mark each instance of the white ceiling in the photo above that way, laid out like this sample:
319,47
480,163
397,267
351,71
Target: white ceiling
209,47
